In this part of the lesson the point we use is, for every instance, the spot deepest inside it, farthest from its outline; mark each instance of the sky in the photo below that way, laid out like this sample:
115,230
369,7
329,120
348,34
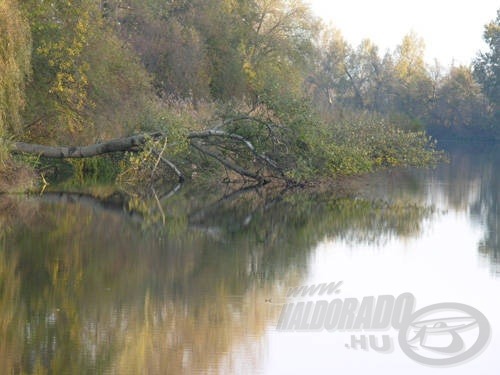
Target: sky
452,29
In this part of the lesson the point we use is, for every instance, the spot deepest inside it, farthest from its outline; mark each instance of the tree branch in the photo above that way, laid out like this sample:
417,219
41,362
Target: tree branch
236,168
246,142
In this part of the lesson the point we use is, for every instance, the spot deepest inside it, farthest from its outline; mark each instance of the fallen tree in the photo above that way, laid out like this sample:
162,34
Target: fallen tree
132,143
216,139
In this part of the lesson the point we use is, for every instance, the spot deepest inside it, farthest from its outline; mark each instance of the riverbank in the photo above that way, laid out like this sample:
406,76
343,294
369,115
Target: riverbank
17,178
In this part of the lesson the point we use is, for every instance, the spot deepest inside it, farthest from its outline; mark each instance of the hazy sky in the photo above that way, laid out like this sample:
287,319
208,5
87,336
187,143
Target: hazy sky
452,29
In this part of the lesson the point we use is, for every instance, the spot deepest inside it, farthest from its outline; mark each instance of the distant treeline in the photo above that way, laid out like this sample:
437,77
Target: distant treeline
225,49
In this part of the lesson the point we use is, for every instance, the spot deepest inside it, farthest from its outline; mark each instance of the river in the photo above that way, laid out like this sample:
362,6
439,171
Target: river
198,286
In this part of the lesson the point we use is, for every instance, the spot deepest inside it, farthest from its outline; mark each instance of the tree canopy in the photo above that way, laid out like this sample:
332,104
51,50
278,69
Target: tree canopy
82,72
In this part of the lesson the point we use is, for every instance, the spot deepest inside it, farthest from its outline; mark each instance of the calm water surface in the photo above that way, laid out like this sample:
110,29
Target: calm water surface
92,287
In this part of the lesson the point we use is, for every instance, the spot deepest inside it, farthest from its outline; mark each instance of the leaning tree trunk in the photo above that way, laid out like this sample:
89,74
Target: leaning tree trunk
114,145
136,142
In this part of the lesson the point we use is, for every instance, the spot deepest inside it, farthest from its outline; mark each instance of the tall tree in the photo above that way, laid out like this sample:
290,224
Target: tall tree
278,44
487,66
15,50
82,74
332,84
414,86
460,102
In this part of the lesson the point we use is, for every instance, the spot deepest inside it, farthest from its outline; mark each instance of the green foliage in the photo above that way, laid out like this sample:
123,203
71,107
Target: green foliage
487,69
277,47
309,147
460,102
358,78
120,88
4,154
306,98
362,143
59,92
487,65
138,170
15,50
96,170
221,49
87,84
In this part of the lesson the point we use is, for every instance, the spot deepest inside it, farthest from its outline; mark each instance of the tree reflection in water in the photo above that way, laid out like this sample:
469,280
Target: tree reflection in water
89,287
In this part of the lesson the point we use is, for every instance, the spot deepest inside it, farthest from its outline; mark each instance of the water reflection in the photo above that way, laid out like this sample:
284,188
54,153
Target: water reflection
473,181
470,183
446,262
474,184
95,290
91,287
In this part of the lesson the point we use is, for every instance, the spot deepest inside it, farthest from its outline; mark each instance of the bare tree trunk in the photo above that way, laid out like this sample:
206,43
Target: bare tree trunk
136,142
114,145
